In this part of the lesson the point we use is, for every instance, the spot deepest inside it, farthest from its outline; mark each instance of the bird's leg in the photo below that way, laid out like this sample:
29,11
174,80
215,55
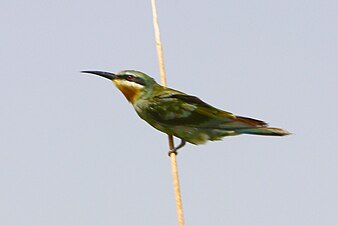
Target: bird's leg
176,148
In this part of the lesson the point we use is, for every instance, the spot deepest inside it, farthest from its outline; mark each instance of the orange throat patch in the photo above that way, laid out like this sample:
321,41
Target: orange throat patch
129,91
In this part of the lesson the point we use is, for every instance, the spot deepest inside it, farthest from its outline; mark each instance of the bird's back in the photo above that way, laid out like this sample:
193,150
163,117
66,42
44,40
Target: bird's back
193,120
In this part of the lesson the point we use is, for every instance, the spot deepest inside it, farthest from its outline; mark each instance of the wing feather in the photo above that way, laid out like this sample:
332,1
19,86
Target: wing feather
176,108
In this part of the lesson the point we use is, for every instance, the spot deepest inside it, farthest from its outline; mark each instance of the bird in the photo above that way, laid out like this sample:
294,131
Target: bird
181,115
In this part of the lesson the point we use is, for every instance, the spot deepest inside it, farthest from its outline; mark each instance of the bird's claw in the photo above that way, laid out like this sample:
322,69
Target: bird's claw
172,151
176,148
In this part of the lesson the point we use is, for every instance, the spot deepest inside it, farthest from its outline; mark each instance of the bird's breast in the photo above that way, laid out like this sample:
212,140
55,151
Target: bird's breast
130,90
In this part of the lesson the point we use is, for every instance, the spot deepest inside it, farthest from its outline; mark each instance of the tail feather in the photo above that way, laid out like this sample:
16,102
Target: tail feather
251,122
245,125
270,131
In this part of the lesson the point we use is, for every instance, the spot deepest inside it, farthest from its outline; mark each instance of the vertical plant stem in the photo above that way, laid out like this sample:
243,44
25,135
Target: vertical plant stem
174,169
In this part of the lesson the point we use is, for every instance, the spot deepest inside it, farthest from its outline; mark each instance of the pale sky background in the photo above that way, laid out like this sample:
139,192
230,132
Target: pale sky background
74,152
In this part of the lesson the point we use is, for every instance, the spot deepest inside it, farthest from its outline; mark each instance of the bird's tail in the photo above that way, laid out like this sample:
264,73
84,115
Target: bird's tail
246,125
269,131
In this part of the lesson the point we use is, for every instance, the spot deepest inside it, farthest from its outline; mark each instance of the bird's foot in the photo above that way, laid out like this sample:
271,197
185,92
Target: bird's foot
176,148
172,151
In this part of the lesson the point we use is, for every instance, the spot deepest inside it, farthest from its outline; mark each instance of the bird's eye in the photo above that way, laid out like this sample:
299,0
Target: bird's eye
129,78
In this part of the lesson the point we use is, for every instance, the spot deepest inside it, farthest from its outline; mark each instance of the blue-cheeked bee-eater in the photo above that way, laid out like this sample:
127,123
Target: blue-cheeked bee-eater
183,116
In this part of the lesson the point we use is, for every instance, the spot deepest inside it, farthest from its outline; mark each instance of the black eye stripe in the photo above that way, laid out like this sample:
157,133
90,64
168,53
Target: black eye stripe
126,77
132,78
139,81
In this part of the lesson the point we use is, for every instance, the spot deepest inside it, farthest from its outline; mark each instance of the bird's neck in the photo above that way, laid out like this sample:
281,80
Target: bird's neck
134,92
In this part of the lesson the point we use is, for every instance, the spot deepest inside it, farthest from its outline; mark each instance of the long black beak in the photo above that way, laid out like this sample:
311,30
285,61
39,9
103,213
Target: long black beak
107,75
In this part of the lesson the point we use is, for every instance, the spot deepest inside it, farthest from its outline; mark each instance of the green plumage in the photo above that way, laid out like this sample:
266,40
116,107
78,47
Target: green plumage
193,120
185,116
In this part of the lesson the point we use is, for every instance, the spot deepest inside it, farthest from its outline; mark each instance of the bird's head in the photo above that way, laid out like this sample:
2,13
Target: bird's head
130,82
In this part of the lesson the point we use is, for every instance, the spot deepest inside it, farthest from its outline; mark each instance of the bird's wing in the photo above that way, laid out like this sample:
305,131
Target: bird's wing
176,108
172,107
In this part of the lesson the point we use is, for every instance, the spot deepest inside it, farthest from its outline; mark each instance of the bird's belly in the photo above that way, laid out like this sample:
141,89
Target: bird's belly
194,135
